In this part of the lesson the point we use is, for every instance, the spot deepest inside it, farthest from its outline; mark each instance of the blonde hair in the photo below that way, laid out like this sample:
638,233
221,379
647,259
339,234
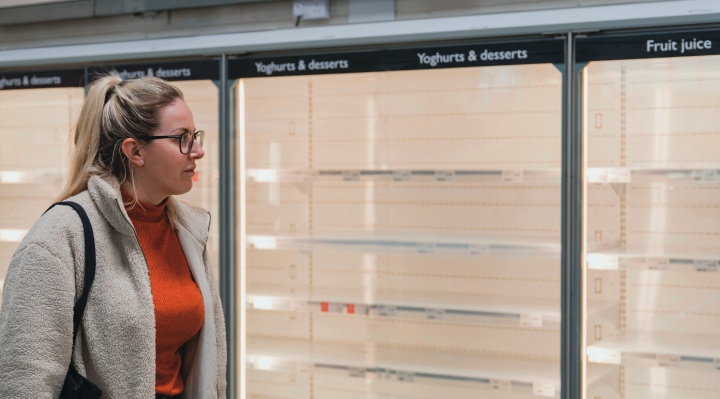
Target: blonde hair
114,110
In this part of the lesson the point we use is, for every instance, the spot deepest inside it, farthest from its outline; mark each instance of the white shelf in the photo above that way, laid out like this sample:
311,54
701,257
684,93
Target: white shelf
687,351
510,310
420,244
31,176
486,309
12,235
634,175
539,175
549,175
530,376
705,260
376,362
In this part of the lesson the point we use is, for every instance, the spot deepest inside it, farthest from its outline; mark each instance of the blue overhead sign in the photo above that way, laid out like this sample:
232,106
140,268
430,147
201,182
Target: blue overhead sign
41,79
457,56
649,45
173,71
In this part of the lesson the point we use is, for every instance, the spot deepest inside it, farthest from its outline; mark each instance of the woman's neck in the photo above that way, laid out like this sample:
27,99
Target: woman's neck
140,195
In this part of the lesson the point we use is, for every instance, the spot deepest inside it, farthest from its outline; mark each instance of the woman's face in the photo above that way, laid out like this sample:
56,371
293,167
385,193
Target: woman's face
165,170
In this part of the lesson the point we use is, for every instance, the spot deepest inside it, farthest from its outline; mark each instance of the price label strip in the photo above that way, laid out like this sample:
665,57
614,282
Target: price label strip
334,307
544,389
501,385
387,311
444,175
351,175
401,175
357,372
386,374
706,265
479,249
668,360
512,176
657,263
708,176
434,314
425,247
531,320
406,376
360,309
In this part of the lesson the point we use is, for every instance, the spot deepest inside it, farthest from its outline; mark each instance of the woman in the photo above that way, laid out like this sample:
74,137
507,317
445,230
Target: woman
153,326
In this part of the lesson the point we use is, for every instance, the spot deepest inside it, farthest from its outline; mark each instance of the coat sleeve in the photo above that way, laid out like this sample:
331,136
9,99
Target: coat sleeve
36,323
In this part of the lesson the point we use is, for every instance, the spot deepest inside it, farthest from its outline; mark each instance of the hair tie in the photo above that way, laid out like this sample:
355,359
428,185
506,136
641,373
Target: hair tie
111,91
109,94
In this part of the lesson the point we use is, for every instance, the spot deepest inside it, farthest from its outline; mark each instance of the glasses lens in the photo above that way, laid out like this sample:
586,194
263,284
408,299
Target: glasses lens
189,139
186,142
199,137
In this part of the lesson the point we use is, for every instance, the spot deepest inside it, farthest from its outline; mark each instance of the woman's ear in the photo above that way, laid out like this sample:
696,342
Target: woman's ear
131,149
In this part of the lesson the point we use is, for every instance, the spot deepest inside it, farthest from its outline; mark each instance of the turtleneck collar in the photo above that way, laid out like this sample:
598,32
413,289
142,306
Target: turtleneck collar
142,212
105,191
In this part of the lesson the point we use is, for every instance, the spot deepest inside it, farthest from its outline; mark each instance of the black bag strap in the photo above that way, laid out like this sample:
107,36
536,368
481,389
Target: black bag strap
90,261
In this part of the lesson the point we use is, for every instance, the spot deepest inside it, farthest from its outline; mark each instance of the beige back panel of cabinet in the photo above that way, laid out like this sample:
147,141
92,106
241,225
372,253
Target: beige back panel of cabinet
420,263
35,126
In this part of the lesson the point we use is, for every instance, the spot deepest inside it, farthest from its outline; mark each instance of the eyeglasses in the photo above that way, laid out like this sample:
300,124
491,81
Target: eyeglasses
185,140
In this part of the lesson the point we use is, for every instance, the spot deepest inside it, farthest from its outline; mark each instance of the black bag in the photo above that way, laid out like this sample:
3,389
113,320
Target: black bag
76,386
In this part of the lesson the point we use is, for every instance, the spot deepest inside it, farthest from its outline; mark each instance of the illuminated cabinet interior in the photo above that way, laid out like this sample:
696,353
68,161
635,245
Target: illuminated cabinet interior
35,125
401,233
653,237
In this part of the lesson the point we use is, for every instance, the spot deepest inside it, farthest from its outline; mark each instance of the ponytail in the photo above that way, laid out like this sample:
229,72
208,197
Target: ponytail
86,139
114,110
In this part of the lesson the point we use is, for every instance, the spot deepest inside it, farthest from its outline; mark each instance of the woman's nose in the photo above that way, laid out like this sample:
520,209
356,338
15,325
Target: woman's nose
197,151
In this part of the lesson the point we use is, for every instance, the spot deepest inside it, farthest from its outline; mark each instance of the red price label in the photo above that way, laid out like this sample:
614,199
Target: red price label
324,306
350,308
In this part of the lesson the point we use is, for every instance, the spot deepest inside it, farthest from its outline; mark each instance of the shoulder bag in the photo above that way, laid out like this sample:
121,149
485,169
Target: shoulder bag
76,386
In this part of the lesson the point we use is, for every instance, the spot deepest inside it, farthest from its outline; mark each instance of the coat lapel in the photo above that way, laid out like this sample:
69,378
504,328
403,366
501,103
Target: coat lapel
200,368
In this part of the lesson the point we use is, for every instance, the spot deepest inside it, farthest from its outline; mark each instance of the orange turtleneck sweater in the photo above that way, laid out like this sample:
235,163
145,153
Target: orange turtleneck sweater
179,310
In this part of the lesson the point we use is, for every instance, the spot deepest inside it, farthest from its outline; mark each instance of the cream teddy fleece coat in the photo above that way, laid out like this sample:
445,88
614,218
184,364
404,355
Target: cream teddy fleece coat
115,346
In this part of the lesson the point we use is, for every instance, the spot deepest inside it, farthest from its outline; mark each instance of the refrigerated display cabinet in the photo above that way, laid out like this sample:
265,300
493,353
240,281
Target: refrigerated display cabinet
399,227
650,111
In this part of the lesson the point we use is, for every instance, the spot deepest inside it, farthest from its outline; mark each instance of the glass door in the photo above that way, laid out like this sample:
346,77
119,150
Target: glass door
37,112
651,120
399,233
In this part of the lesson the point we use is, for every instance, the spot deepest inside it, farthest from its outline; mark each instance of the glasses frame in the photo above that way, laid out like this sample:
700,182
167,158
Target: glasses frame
179,139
